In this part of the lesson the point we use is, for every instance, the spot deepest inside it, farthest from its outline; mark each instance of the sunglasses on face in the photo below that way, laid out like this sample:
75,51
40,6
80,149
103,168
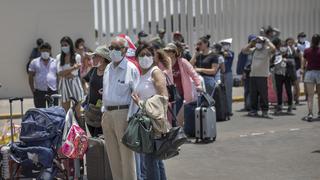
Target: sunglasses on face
117,48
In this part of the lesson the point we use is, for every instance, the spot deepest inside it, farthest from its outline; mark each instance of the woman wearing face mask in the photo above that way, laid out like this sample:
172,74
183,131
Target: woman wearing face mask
151,89
184,77
94,78
311,65
282,65
296,57
206,63
68,64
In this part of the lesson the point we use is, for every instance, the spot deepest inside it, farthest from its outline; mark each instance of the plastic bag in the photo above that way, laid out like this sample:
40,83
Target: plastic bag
5,133
75,140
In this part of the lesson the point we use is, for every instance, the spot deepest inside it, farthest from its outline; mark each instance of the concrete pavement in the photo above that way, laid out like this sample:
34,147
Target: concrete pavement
282,148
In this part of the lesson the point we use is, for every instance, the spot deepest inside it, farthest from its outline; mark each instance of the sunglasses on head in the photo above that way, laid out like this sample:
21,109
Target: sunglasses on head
117,48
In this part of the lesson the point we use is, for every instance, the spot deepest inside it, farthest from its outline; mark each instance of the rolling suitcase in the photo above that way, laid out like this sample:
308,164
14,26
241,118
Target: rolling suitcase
98,167
9,168
220,98
205,124
189,119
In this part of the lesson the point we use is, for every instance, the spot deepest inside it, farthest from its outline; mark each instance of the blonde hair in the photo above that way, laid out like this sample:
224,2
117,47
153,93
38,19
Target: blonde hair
164,58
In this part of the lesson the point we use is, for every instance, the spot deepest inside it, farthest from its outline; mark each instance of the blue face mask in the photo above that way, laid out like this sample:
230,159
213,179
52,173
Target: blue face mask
65,49
116,56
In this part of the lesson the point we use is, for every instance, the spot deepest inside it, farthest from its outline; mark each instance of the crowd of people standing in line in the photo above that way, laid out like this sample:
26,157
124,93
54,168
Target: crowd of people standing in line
113,83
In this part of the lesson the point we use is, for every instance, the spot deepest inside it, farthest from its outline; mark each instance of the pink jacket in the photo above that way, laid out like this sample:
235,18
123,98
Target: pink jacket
189,78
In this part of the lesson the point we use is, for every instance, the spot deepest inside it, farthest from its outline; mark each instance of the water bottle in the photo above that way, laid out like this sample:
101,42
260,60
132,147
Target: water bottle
5,162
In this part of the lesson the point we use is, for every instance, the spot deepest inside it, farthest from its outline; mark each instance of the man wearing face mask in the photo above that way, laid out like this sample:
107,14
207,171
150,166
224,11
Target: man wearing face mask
142,38
261,49
120,78
43,76
227,76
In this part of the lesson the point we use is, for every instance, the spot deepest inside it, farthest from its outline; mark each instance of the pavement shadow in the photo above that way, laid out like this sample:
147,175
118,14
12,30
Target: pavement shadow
316,151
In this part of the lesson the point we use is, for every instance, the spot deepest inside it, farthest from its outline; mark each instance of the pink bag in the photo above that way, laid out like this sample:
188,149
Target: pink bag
75,141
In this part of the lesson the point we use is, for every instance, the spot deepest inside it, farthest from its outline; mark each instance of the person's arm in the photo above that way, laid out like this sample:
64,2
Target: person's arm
303,64
67,72
193,60
192,73
248,48
212,71
31,82
159,82
270,44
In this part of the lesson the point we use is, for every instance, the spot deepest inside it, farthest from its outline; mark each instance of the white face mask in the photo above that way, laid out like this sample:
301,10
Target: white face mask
146,62
226,47
302,40
45,55
283,49
116,56
259,46
65,49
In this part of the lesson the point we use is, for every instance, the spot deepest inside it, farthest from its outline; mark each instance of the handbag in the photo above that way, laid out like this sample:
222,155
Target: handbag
139,135
75,141
92,113
172,90
168,146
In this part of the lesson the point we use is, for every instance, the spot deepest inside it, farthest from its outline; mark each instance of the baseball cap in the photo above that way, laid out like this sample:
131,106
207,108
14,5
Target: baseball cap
142,34
161,31
251,37
177,33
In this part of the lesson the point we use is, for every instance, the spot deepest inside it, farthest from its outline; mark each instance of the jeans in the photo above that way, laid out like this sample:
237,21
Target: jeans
140,165
178,104
228,82
247,104
259,91
280,81
154,168
209,82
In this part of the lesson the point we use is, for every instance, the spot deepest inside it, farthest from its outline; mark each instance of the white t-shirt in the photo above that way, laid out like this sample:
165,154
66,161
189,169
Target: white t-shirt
67,66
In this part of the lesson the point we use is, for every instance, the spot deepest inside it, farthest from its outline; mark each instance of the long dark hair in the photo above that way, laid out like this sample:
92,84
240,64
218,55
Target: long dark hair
315,41
68,40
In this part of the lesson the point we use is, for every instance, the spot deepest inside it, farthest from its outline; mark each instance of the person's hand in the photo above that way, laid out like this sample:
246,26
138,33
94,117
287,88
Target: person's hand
199,89
76,66
135,98
302,71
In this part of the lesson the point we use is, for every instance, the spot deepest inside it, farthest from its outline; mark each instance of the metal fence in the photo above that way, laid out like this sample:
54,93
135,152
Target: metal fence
220,18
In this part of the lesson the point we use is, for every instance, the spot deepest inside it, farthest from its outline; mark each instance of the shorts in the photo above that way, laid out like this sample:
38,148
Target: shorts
312,76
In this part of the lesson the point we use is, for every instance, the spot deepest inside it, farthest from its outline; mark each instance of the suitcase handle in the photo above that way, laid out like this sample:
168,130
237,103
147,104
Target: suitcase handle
15,99
11,114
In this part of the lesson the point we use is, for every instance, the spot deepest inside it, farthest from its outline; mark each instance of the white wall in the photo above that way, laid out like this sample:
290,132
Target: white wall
22,22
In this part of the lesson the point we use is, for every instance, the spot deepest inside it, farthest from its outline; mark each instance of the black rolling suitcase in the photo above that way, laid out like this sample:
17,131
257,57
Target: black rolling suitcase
9,168
98,167
220,98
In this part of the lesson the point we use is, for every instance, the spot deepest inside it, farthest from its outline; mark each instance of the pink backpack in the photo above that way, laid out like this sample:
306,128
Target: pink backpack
75,140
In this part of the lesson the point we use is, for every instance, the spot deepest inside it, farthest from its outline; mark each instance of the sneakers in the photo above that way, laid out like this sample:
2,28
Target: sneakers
310,117
265,114
289,109
278,110
253,114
